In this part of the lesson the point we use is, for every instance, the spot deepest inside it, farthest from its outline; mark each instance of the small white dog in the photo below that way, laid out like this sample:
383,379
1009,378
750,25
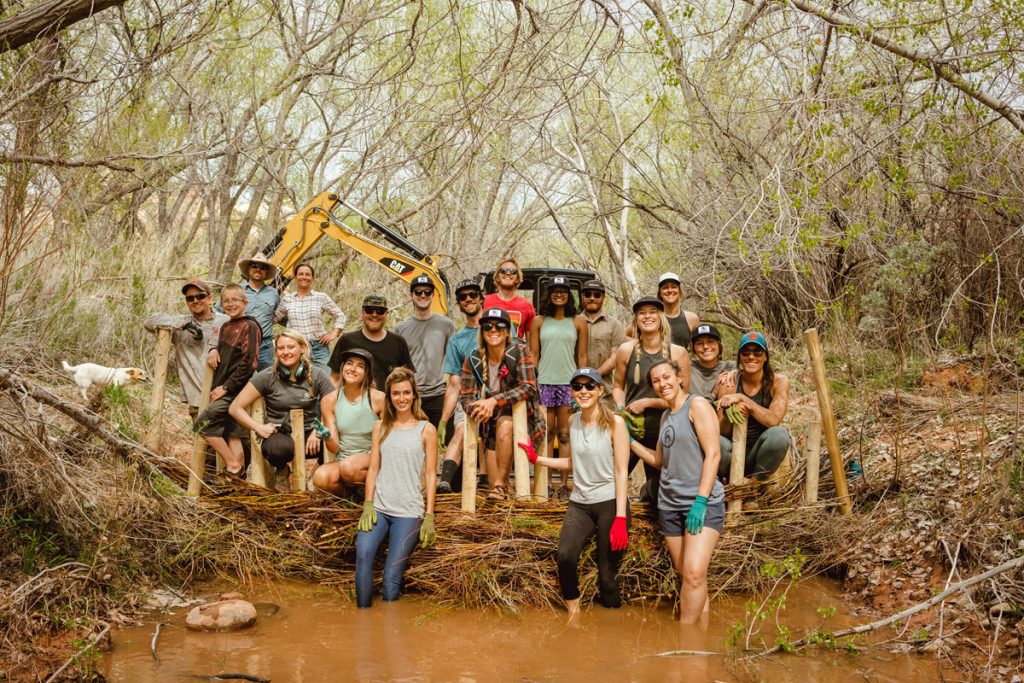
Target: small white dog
87,374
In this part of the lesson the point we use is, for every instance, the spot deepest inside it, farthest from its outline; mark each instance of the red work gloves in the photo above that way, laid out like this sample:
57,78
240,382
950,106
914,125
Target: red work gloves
619,536
528,449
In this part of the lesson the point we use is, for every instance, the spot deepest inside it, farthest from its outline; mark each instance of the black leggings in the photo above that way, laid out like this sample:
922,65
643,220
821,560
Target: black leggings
579,524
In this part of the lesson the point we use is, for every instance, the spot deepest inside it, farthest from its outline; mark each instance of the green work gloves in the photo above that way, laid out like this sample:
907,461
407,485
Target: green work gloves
368,518
695,519
321,431
427,533
634,424
442,431
733,414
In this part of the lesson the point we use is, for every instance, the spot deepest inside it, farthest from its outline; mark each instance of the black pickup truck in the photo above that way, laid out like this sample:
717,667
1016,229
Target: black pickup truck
536,280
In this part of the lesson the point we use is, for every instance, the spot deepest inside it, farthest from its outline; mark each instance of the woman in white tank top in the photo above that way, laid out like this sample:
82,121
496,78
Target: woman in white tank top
349,413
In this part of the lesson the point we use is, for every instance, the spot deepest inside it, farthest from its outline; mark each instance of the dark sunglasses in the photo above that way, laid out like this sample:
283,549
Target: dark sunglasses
374,310
752,351
422,292
559,290
592,294
467,295
583,386
508,271
195,297
259,266
488,326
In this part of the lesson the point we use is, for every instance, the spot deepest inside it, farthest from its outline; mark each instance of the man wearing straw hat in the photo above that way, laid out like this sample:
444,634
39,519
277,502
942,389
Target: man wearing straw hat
263,301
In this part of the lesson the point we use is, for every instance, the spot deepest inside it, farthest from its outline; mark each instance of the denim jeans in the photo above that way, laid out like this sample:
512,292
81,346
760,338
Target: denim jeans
402,534
321,354
763,459
266,354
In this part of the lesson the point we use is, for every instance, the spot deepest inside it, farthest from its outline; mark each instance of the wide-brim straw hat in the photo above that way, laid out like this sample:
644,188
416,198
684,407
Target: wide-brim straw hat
244,264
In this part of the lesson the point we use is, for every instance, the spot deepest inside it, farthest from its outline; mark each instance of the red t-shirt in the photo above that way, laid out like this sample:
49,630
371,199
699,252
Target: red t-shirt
520,310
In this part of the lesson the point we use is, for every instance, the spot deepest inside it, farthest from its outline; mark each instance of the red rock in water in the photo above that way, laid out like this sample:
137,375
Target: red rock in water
223,615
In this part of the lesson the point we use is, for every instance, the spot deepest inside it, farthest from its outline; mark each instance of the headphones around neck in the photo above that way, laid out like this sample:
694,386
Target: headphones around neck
300,372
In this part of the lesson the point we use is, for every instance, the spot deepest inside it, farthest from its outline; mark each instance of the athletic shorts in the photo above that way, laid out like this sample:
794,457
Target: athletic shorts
673,522
555,395
215,421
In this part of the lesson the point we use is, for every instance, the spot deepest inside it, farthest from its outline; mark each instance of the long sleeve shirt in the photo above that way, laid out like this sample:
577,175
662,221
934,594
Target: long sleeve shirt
305,313
239,348
517,382
189,353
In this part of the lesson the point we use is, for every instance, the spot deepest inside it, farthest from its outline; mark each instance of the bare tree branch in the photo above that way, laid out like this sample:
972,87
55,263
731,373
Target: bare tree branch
45,18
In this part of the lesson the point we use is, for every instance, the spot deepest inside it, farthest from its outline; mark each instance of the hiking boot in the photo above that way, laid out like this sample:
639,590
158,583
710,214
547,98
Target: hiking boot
444,487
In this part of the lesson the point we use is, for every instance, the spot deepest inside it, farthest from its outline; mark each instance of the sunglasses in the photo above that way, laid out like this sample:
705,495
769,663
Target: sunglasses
591,294
508,271
755,351
195,297
259,266
374,310
559,290
464,296
583,386
488,326
422,292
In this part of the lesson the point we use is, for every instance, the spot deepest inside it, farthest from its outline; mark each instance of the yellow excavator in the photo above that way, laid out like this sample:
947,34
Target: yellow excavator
316,220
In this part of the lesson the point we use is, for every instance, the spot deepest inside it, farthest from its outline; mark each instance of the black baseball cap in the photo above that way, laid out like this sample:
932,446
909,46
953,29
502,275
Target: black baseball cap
357,353
558,281
468,284
421,281
496,314
593,285
648,301
706,331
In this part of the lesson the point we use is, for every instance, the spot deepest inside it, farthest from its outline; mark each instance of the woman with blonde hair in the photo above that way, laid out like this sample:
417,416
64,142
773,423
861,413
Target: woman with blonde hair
634,398
403,471
291,382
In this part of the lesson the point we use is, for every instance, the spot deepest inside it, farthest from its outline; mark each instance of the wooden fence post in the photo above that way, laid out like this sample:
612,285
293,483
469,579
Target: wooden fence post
736,465
195,480
521,434
828,418
470,457
813,461
156,399
540,472
260,472
299,459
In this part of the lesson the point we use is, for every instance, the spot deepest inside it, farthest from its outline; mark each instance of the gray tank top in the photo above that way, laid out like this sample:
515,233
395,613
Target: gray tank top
683,462
399,486
355,424
593,466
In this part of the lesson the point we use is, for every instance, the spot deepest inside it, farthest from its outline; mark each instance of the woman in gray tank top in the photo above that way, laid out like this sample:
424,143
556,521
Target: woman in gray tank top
598,460
349,413
691,500
403,470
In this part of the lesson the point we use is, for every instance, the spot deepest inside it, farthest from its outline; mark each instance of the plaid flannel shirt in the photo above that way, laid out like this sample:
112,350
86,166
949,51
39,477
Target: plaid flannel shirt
518,386
305,314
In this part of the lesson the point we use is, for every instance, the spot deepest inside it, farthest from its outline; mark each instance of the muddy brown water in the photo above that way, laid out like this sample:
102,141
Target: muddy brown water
318,635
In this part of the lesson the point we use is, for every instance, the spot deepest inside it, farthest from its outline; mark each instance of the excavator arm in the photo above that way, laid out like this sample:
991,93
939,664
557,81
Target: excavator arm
316,220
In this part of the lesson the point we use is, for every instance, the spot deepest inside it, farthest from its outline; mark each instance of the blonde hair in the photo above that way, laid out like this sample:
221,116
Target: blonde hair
664,330
512,260
482,346
390,414
306,358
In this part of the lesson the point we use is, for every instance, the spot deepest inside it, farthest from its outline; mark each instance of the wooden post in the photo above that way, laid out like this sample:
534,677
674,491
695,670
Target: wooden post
470,456
521,434
195,480
813,458
299,459
156,400
260,471
828,418
736,466
540,473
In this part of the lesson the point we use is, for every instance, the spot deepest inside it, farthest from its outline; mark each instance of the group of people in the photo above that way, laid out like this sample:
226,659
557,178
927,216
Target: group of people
386,403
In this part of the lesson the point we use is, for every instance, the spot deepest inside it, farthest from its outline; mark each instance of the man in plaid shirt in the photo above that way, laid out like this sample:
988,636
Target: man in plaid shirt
494,378
304,311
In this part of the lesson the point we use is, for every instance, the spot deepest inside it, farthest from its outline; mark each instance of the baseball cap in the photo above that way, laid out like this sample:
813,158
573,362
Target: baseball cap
558,281
468,284
197,284
421,281
375,300
706,331
496,314
755,338
358,353
587,373
648,301
668,277
593,285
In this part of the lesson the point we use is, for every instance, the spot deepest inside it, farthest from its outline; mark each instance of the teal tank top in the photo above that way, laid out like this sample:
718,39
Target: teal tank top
557,351
355,425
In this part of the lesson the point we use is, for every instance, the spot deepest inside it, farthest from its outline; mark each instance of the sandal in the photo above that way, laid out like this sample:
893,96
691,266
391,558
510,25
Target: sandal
497,493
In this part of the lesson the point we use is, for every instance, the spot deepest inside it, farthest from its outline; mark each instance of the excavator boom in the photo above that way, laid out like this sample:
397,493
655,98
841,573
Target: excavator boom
316,220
